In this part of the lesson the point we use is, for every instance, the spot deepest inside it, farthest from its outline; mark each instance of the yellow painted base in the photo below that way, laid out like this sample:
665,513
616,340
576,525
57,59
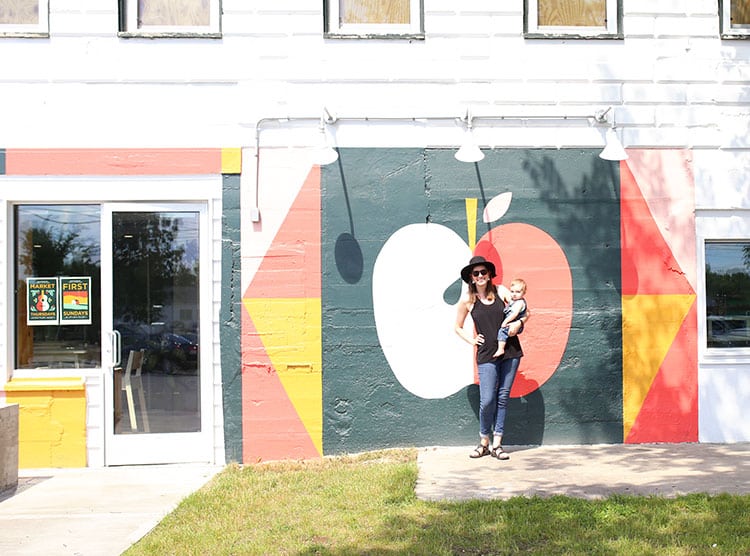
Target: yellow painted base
51,421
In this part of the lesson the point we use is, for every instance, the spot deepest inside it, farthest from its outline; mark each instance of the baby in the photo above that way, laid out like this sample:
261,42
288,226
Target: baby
515,310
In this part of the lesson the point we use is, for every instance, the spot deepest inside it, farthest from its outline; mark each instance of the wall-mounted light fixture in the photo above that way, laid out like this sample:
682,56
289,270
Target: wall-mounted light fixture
469,151
613,149
325,153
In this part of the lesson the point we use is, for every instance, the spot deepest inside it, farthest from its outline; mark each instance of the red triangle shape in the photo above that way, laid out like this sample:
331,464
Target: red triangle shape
292,267
670,411
648,266
271,427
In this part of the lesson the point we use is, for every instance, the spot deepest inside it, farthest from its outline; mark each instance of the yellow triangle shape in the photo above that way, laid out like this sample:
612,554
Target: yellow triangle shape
290,330
649,326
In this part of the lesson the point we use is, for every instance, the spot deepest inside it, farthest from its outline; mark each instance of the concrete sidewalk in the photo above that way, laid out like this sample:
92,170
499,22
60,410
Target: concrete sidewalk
585,471
91,511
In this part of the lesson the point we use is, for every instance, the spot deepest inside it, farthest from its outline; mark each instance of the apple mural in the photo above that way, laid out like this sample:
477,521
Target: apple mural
415,325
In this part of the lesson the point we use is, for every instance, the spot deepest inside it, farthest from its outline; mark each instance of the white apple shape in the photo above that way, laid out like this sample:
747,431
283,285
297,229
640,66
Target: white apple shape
414,323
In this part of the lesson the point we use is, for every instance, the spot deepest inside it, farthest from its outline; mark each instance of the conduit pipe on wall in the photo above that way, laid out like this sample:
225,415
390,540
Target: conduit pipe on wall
469,151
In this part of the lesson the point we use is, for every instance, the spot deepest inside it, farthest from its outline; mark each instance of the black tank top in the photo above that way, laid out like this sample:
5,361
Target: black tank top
487,321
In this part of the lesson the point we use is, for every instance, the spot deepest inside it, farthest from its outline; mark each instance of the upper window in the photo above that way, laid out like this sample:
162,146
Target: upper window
735,18
573,18
374,18
727,294
24,18
170,17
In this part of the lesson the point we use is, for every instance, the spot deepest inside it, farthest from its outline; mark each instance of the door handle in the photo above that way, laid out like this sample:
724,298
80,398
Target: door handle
116,348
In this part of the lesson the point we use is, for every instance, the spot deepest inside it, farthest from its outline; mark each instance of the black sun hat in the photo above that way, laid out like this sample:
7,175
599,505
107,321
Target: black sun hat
477,261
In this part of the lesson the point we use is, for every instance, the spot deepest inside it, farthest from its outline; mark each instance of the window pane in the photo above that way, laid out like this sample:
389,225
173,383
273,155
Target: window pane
174,12
375,11
19,12
728,294
573,13
740,12
52,241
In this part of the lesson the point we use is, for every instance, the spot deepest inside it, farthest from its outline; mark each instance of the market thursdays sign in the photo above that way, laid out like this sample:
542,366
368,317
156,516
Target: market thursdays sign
44,296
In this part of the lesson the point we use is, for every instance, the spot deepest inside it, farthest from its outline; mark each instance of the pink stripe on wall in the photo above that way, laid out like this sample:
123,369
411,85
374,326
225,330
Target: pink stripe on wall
107,162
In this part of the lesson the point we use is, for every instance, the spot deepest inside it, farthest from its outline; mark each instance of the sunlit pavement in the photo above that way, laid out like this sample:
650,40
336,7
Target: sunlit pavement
585,471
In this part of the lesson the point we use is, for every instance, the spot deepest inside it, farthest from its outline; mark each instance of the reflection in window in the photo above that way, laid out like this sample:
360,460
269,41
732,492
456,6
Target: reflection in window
53,241
728,293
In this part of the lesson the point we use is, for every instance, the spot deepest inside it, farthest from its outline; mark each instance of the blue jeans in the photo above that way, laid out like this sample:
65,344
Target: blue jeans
495,381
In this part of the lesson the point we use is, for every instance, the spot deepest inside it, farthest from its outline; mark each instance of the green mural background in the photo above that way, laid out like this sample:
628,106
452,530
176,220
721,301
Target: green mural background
369,194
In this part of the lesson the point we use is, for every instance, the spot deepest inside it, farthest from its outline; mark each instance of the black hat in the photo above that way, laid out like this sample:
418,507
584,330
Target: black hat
476,261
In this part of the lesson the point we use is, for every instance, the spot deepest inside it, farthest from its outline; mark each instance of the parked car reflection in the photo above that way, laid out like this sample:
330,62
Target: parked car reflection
165,352
728,331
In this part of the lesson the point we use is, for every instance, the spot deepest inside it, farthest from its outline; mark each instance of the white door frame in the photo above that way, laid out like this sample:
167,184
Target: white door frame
124,449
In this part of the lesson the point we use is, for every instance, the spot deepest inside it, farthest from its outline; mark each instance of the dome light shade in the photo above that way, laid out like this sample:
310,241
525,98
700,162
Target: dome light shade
325,153
469,152
613,149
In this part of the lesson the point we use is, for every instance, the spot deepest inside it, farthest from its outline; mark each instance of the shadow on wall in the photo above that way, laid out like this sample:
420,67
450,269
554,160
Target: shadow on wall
347,251
585,203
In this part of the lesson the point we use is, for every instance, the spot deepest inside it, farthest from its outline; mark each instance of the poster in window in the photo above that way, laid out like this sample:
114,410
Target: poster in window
76,300
42,301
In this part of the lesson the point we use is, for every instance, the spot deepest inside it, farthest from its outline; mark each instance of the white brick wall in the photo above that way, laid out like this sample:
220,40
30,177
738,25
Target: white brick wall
672,80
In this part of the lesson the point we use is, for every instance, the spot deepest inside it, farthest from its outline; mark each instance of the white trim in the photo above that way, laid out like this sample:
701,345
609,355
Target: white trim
132,27
41,28
128,449
717,226
534,28
206,190
335,27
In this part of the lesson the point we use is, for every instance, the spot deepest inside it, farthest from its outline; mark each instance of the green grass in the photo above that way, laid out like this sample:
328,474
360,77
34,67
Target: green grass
366,505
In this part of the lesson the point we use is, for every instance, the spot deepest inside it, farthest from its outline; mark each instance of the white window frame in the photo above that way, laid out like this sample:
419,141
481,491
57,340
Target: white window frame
40,29
729,31
130,22
334,28
717,225
610,30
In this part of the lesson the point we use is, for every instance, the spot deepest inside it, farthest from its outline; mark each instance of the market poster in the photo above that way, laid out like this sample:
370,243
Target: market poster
42,301
76,300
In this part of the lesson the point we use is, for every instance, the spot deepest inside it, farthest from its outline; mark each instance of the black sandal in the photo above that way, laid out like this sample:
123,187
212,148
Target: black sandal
499,453
480,451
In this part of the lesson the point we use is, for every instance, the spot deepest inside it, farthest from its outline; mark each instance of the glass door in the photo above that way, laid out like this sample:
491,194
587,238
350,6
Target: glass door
158,380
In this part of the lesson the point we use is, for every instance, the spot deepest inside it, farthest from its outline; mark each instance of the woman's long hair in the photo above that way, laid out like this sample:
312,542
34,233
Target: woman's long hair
474,294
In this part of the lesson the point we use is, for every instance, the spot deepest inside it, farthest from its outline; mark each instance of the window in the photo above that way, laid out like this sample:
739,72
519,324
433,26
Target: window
735,18
170,17
58,325
727,293
374,18
573,18
24,17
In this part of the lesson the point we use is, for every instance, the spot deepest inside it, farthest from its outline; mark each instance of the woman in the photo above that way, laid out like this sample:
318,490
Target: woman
485,303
